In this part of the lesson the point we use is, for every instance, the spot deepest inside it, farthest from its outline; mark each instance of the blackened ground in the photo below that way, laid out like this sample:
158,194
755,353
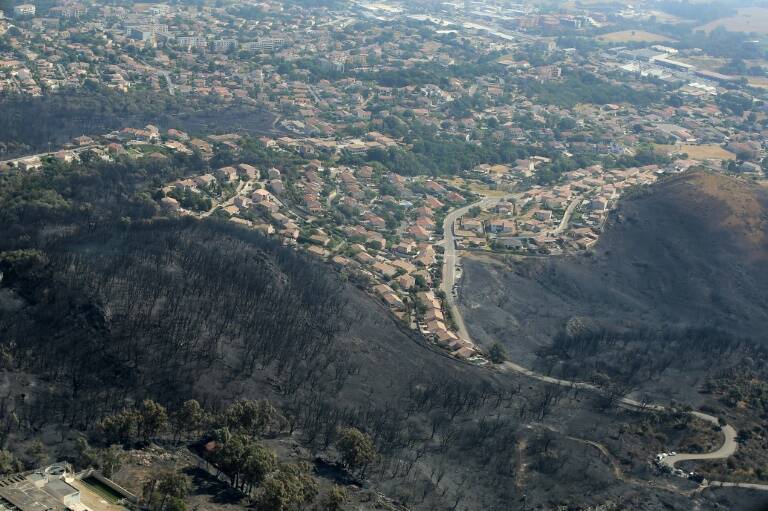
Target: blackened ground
690,251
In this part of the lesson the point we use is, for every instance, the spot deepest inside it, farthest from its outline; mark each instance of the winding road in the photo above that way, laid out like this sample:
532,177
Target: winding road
726,450
451,261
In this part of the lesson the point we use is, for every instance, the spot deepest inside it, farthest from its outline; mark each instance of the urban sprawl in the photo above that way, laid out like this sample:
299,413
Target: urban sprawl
544,132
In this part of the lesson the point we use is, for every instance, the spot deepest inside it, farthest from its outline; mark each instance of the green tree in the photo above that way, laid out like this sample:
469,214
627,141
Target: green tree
85,453
497,353
244,460
356,448
172,485
153,419
289,488
8,463
175,504
110,459
188,419
259,461
121,427
37,453
336,498
253,417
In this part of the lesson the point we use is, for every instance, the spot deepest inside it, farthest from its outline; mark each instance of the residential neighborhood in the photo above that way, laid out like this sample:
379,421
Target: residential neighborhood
382,229
372,133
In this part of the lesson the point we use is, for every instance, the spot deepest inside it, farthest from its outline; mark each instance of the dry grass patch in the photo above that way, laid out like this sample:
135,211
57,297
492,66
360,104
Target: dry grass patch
697,152
634,36
748,20
477,187
758,81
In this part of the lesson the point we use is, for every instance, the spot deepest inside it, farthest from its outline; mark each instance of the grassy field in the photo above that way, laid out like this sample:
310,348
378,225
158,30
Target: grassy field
758,81
697,152
478,187
749,19
633,36
507,60
704,62
103,490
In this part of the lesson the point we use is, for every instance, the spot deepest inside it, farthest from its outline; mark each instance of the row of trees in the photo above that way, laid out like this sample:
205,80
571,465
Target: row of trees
233,448
583,87
150,420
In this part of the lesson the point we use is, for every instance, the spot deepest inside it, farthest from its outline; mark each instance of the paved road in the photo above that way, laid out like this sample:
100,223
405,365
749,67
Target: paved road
243,188
726,450
169,82
331,196
451,261
567,216
721,484
75,150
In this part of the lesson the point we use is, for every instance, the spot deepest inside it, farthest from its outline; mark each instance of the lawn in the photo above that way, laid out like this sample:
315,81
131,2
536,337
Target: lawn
633,36
697,152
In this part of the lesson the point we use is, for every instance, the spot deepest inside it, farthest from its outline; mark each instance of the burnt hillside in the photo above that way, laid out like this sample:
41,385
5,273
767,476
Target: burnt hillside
689,252
173,308
103,304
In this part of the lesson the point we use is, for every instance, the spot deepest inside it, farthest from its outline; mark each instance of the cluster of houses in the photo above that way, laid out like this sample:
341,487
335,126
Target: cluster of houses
195,51
399,260
380,226
432,324
551,219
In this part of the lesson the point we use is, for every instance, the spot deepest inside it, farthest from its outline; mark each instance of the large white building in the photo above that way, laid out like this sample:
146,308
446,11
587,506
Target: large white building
24,10
266,44
224,44
192,41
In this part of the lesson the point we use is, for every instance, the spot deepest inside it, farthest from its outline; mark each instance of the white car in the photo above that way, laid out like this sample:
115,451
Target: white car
673,453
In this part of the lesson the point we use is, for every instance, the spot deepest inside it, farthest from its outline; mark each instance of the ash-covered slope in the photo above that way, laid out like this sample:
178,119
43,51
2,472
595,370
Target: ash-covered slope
691,251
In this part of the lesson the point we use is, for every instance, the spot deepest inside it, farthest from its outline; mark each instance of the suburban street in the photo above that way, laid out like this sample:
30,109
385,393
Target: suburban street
331,196
567,216
76,150
451,261
243,189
